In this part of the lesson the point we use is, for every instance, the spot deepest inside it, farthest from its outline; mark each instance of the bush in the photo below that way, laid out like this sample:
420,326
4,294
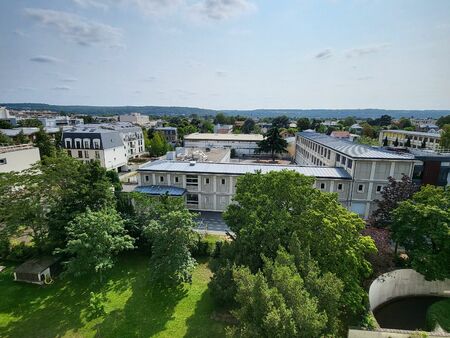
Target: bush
20,252
439,313
203,248
4,247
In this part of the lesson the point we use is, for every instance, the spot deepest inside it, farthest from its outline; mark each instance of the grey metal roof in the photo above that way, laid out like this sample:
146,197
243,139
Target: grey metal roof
156,190
108,138
354,150
240,169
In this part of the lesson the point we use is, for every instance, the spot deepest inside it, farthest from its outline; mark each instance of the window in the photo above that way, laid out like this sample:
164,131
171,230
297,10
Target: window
3,161
69,153
223,181
86,144
207,180
176,179
161,178
97,154
338,157
80,154
68,143
192,180
86,154
343,158
192,199
322,186
361,188
78,144
379,188
147,178
349,163
96,144
340,187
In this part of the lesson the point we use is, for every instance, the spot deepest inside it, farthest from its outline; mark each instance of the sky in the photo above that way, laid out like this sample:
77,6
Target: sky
227,54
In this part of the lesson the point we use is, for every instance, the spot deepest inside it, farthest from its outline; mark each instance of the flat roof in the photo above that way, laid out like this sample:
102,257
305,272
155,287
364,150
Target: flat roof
353,149
241,168
224,137
415,133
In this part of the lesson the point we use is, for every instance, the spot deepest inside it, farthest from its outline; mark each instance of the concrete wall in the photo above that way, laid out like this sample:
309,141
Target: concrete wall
402,283
18,160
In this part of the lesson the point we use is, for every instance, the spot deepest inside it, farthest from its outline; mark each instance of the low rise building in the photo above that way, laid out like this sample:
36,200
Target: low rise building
243,144
18,157
60,121
169,133
425,140
211,186
135,118
223,129
369,167
111,144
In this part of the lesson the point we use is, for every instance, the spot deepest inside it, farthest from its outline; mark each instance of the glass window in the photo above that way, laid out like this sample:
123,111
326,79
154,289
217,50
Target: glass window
223,181
379,188
322,186
207,180
192,180
161,178
97,154
147,178
338,157
340,187
86,154
176,179
80,154
192,199
361,188
349,163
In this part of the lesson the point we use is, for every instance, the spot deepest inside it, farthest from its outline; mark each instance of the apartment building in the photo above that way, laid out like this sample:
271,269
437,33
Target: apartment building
111,144
368,167
211,186
18,157
169,133
427,140
243,144
135,118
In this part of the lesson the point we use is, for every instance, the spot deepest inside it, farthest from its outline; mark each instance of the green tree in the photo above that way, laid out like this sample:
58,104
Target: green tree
21,138
281,122
158,145
445,137
443,120
5,124
94,239
270,209
30,123
206,126
249,126
303,124
349,121
404,123
367,141
5,140
273,143
368,130
45,144
171,236
422,226
220,119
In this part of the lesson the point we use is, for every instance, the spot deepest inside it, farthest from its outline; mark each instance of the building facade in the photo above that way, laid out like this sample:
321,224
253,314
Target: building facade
243,144
368,167
211,186
135,118
111,144
223,129
169,133
427,140
18,157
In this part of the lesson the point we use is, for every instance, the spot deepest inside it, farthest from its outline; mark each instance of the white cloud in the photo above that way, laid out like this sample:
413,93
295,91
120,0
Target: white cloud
44,59
69,79
362,51
76,28
325,54
62,88
92,3
223,9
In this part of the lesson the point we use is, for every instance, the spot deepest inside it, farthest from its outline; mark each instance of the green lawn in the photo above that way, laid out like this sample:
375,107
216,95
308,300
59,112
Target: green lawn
133,307
439,313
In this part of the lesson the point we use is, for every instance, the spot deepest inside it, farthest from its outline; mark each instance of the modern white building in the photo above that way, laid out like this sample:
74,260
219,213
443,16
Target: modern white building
18,157
111,144
417,139
60,121
243,144
135,118
211,186
368,167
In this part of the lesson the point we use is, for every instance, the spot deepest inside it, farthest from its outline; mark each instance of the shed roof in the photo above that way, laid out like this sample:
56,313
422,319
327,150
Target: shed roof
36,265
240,168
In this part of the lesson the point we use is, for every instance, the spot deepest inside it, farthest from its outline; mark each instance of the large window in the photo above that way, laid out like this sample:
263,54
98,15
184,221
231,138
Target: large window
192,199
192,180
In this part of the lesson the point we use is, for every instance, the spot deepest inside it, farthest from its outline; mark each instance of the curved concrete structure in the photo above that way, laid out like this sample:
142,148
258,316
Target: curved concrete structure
403,283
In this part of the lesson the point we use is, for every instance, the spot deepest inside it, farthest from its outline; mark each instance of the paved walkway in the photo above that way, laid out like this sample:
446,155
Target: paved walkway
212,222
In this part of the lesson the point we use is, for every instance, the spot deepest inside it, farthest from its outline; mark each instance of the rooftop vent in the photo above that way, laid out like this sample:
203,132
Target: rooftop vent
192,163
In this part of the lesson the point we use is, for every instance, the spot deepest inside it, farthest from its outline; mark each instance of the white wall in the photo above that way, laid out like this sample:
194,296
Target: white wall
19,159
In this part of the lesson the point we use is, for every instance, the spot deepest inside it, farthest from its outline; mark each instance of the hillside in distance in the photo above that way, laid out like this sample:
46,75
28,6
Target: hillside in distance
293,113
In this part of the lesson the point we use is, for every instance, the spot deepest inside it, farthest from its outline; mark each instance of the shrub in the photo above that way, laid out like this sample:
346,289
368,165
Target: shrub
4,247
20,252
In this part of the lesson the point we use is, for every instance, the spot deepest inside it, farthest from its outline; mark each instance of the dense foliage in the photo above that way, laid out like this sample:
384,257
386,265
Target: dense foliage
422,226
273,143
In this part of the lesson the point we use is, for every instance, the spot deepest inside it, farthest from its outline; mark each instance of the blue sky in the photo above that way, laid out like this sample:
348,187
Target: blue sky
227,54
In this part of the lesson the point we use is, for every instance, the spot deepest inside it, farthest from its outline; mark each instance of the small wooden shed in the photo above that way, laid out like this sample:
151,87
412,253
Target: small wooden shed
37,270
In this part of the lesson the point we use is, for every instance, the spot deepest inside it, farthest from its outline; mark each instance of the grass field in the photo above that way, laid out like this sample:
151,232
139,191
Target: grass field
132,307
439,313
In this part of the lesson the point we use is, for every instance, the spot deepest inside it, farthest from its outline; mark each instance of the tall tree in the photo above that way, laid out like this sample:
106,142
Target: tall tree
281,122
30,123
422,226
171,236
5,140
391,195
21,138
303,124
5,124
273,143
45,144
443,120
94,239
445,137
368,130
349,121
270,209
158,145
404,123
249,126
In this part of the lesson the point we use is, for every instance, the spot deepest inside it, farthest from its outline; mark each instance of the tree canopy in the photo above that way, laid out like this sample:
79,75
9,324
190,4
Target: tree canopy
158,145
445,137
303,124
273,143
281,122
422,226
